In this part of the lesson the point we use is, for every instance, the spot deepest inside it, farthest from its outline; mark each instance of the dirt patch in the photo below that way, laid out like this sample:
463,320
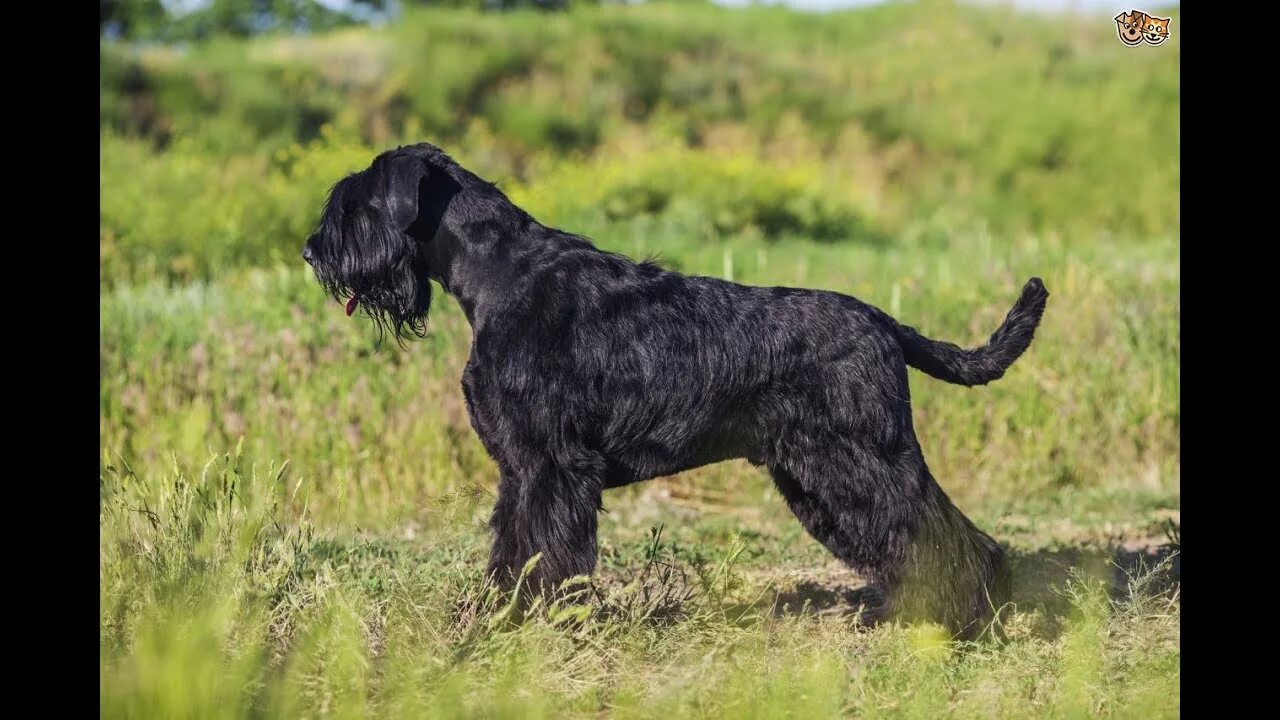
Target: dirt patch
1038,576
829,590
662,588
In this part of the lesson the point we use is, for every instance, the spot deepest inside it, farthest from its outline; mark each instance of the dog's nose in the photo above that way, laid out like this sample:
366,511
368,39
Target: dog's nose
306,252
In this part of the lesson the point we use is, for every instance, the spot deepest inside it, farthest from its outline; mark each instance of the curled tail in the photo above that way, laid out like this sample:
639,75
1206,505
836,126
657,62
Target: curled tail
981,365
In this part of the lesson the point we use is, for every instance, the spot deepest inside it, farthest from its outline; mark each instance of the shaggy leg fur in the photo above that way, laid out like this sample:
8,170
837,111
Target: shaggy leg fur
551,511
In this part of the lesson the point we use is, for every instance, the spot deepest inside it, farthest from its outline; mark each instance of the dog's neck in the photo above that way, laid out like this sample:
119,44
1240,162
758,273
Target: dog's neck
491,266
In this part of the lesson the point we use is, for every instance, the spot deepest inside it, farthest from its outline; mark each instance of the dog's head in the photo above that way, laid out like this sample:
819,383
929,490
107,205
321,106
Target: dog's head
1129,27
372,245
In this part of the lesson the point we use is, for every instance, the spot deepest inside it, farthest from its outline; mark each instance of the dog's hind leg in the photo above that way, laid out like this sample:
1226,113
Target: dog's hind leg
953,572
548,509
852,508
886,518
821,525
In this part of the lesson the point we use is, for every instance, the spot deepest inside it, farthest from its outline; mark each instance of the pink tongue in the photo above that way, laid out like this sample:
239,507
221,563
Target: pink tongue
351,305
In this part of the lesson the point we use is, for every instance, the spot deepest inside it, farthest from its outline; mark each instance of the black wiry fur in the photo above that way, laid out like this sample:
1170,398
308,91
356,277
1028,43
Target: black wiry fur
590,371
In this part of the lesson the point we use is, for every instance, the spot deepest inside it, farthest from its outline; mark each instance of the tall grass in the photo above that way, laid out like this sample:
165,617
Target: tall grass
222,599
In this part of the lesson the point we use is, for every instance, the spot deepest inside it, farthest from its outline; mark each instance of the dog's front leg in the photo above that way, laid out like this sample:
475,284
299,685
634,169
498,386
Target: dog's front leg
549,509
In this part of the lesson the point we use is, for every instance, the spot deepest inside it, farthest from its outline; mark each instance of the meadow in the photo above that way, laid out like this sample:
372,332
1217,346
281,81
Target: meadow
293,513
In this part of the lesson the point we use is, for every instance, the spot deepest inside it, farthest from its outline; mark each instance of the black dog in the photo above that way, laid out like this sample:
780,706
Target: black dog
590,371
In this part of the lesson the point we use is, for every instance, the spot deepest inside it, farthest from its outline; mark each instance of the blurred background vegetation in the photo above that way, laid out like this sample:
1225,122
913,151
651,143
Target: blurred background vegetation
891,121
926,157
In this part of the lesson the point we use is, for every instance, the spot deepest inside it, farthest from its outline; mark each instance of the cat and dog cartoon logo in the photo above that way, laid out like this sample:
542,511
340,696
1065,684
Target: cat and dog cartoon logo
1136,27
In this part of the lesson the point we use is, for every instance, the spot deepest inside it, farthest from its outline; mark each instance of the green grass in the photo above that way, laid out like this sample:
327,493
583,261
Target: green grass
230,601
293,516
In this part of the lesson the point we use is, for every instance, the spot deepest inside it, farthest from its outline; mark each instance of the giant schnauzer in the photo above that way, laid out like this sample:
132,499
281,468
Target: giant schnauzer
591,371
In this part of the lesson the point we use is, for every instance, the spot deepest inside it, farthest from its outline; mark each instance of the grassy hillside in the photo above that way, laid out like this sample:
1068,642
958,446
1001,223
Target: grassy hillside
884,122
292,516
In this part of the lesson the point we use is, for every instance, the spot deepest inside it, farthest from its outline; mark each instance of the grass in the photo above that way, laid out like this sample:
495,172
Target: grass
293,516
232,602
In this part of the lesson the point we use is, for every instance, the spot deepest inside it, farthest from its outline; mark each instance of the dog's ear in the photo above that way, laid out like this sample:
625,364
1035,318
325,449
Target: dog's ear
403,177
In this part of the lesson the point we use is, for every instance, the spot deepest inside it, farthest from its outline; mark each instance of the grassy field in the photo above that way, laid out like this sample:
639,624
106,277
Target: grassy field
292,516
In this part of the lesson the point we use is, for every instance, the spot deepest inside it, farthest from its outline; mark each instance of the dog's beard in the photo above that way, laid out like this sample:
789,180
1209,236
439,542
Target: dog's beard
398,304
382,272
